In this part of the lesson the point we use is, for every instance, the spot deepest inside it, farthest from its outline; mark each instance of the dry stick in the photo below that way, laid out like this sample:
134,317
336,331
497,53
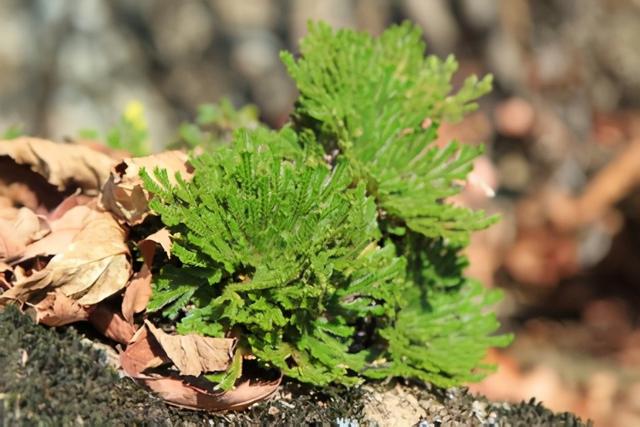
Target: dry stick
607,188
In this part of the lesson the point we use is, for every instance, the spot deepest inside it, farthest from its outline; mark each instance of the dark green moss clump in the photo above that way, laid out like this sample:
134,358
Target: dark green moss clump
51,377
459,407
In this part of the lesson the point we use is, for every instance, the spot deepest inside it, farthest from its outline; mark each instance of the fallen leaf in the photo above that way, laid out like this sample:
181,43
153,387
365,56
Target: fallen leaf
144,352
20,186
138,291
6,207
194,354
62,165
16,234
110,324
25,286
92,267
161,237
64,230
124,194
137,294
56,309
4,283
180,393
70,202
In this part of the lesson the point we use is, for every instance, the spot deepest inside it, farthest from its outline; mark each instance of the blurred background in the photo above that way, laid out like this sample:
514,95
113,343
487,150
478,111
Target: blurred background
562,130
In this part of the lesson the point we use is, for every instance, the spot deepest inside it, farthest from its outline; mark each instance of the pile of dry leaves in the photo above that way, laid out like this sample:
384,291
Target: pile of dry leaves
66,216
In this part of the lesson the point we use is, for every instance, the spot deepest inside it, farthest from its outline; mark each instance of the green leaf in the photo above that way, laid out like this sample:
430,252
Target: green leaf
227,379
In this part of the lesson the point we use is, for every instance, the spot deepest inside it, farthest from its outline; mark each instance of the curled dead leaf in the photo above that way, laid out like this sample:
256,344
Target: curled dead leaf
64,230
76,199
138,291
56,309
110,324
124,194
92,267
179,392
161,237
137,294
62,165
195,354
144,352
20,186
17,233
4,283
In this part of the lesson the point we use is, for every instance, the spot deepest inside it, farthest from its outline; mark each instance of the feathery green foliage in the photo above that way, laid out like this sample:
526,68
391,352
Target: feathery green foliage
282,245
379,101
328,247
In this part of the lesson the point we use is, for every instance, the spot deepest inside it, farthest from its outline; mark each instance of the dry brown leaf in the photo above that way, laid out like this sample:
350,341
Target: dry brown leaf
144,352
25,286
110,324
4,283
194,354
62,165
137,294
76,199
138,291
180,393
20,186
56,309
17,233
161,237
64,230
112,279
124,194
93,266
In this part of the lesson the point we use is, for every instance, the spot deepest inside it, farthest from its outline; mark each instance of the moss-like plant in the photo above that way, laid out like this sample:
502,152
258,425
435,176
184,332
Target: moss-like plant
328,247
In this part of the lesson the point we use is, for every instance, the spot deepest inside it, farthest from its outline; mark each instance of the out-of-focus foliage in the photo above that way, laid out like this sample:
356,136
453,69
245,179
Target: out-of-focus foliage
215,124
130,133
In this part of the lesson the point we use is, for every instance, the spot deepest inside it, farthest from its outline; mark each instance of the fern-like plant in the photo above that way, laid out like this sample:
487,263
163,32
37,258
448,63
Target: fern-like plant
328,247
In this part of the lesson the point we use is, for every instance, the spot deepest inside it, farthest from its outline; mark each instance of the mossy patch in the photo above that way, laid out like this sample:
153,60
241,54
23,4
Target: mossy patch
51,377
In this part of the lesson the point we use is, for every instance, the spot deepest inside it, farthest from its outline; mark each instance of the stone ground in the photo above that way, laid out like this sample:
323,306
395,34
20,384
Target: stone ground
54,377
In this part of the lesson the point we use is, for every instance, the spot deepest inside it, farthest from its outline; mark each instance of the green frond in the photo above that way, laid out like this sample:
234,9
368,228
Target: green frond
380,101
284,234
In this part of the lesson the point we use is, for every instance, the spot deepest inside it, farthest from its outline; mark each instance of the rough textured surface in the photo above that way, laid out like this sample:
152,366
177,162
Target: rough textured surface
52,376
429,407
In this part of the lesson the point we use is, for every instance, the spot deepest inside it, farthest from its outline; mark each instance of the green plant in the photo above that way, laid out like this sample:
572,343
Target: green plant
12,132
130,133
214,125
328,247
